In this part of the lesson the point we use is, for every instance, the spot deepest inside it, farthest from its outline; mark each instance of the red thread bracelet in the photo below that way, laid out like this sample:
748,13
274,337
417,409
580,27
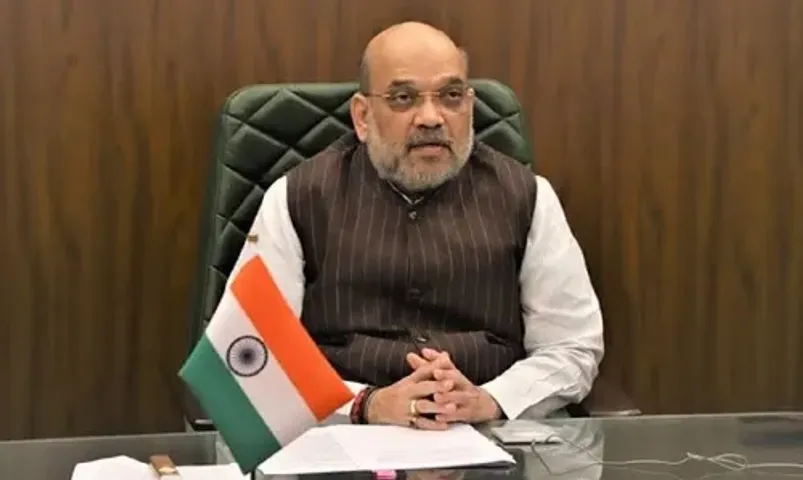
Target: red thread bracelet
357,413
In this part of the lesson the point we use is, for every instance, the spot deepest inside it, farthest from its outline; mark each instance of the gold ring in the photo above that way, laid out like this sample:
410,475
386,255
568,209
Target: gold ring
413,409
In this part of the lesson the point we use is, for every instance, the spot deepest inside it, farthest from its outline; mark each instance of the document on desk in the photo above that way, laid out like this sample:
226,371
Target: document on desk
126,468
348,448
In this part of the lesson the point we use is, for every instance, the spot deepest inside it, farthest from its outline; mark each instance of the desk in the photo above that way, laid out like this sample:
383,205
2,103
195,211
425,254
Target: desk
762,438
47,459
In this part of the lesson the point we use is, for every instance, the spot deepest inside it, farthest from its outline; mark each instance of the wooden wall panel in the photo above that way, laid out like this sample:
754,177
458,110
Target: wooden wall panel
702,195
672,131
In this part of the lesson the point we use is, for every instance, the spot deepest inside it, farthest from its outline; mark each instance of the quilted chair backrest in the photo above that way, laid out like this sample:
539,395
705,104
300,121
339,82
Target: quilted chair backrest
265,130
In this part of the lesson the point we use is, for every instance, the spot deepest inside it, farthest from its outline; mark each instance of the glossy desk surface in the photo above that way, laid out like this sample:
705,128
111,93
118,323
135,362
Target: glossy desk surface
771,438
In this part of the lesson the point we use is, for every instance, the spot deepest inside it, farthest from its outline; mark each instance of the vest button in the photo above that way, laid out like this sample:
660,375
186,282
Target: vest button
421,339
413,215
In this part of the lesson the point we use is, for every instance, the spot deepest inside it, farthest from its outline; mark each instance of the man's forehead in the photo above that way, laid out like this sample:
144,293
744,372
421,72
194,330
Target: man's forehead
419,69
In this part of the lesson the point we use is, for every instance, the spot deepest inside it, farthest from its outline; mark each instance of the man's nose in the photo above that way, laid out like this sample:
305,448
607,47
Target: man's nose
428,115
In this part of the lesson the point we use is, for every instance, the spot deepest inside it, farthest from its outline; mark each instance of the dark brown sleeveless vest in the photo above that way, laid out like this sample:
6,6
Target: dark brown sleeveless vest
386,276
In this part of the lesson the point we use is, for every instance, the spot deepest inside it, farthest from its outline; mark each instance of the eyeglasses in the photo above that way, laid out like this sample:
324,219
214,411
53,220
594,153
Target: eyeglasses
401,99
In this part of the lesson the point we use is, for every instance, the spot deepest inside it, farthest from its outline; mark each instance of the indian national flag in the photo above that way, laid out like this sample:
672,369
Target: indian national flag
256,371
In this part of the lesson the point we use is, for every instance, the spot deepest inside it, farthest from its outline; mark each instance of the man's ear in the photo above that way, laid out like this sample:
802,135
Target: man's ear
359,115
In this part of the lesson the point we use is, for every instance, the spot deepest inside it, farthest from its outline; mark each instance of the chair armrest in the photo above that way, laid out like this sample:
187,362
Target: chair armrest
607,399
194,415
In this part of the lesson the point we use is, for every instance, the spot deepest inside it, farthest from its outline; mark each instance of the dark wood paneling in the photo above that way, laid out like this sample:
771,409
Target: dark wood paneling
672,131
699,254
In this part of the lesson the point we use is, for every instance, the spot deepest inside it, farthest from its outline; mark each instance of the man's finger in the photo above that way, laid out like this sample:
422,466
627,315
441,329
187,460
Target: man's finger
416,361
427,424
426,369
460,380
456,397
442,359
462,414
425,372
428,355
426,388
427,407
431,354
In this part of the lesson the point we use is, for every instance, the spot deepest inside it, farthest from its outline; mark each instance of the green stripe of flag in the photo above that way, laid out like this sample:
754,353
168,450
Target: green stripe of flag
248,438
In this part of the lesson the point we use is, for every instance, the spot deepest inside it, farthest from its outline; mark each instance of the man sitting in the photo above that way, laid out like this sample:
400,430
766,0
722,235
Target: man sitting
438,276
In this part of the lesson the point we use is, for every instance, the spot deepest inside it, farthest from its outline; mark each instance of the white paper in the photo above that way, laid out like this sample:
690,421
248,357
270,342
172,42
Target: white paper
211,472
120,468
126,468
316,451
341,448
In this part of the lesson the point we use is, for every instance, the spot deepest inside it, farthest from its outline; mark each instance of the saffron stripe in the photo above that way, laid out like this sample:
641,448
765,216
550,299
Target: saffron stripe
288,341
272,394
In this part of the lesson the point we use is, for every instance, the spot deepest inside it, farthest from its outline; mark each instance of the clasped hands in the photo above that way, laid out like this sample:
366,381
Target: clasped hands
434,395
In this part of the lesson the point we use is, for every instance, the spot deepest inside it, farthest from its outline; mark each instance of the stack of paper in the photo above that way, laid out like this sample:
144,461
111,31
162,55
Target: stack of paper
342,448
126,468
